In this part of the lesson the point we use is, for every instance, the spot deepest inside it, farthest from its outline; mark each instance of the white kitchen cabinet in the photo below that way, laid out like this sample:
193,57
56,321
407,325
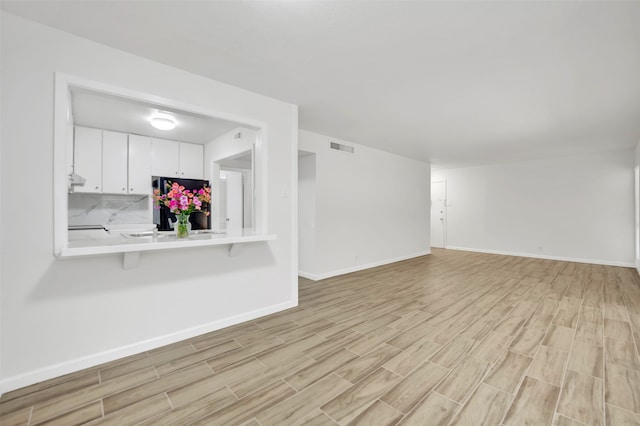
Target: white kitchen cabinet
87,159
191,161
114,162
165,158
139,170
177,159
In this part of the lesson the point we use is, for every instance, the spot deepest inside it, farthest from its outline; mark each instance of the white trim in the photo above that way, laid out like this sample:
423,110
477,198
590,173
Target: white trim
636,196
294,204
261,180
317,277
71,366
539,256
59,179
62,103
308,276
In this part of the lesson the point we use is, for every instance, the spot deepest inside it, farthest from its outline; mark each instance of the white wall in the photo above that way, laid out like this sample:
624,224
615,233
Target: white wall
371,208
572,208
60,316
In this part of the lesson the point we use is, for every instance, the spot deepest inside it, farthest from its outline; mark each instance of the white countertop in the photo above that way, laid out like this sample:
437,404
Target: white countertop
98,241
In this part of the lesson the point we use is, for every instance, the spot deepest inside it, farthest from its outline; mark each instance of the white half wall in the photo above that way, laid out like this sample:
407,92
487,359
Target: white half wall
578,208
61,316
371,208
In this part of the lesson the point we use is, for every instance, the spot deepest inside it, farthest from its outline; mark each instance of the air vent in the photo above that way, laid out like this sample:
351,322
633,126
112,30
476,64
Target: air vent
237,135
341,147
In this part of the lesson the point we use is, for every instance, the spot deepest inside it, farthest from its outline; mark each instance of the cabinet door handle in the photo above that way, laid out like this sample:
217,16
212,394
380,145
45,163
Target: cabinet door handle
97,187
124,189
130,189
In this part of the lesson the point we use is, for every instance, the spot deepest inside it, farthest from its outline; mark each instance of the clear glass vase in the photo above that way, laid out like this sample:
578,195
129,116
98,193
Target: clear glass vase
182,225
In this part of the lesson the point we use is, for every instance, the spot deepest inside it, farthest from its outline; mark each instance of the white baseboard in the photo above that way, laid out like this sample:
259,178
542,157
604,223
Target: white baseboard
325,275
71,366
308,275
546,257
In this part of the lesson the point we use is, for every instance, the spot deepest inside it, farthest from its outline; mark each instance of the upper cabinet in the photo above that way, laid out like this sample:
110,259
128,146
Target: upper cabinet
191,161
87,159
139,170
117,163
165,157
177,159
112,162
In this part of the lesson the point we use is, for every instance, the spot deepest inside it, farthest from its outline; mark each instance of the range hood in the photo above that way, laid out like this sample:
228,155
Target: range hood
76,180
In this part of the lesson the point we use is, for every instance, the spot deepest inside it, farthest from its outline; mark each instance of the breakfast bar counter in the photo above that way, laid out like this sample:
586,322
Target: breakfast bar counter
131,242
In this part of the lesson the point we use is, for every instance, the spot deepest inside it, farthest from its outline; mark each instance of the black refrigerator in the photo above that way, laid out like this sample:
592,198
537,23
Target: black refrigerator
162,215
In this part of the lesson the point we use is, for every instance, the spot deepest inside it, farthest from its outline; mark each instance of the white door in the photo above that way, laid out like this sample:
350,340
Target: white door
234,200
438,213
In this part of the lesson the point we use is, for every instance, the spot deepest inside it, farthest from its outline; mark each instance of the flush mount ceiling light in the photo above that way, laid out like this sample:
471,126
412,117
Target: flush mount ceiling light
163,121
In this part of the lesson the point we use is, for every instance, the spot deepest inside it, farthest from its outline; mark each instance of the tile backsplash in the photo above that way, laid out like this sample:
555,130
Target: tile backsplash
102,209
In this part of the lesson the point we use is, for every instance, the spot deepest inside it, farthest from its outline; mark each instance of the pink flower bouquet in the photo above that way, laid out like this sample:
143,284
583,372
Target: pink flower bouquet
183,201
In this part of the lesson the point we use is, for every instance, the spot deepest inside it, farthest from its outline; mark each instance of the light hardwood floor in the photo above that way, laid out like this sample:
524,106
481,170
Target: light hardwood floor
452,338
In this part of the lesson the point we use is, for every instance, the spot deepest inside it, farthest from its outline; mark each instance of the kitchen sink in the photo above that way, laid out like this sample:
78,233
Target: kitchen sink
140,234
205,231
145,234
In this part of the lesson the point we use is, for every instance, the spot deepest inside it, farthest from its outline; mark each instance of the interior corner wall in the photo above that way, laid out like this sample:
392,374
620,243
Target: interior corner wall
59,316
307,212
371,208
576,208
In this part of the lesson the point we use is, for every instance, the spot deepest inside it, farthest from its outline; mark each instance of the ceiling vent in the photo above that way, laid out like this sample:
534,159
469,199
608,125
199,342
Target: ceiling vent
341,147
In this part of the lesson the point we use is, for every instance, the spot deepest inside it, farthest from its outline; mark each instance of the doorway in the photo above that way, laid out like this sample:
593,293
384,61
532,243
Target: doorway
231,200
438,214
234,179
306,213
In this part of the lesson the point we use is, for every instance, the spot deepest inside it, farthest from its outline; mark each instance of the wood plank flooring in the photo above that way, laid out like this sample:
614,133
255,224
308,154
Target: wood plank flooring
452,338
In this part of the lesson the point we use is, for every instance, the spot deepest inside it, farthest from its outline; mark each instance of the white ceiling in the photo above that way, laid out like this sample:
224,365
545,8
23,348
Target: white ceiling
103,111
451,82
